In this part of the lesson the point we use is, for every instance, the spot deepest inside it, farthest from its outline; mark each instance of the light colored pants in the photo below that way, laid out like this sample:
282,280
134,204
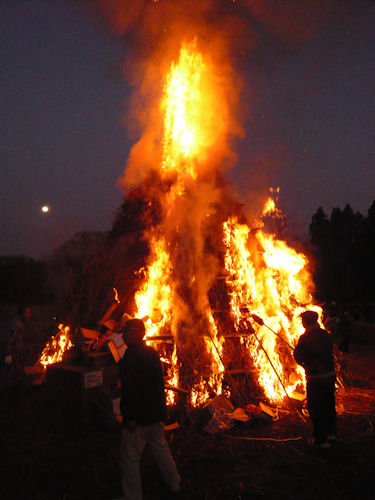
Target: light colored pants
133,443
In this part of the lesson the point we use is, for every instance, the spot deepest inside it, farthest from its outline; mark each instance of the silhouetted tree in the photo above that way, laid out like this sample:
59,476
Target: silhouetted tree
344,251
320,239
22,279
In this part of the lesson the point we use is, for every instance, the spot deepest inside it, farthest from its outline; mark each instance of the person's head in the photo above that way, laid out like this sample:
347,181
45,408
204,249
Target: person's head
133,331
24,311
309,318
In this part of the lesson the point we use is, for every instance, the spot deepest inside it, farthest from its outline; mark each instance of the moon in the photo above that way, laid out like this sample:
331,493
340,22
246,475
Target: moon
45,209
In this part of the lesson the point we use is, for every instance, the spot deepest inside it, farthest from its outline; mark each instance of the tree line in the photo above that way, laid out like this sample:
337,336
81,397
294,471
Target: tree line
344,251
343,247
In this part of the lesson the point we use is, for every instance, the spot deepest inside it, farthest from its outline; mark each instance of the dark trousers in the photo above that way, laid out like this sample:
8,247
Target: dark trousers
321,407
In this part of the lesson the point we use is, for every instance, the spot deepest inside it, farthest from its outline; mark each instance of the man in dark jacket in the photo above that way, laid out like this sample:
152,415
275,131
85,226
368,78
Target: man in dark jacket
143,409
314,351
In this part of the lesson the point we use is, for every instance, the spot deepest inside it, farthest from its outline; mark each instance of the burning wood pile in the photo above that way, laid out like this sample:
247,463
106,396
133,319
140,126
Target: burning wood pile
210,274
209,271
218,293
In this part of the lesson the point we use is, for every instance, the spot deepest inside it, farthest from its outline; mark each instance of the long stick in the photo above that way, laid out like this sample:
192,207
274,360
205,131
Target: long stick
280,337
278,376
216,349
273,367
261,322
228,375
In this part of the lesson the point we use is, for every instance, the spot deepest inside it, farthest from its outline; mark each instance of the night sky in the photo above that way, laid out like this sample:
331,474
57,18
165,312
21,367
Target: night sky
310,127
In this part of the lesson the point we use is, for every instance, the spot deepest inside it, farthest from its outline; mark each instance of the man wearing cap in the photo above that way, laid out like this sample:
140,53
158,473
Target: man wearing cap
314,351
143,408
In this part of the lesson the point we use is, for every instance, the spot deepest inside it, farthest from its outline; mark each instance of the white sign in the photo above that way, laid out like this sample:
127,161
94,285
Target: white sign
93,379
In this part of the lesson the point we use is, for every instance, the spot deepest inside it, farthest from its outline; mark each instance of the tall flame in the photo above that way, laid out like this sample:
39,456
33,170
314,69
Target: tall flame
267,284
161,300
265,277
183,105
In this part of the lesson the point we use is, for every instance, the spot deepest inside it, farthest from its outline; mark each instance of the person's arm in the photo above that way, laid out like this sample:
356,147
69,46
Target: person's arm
299,353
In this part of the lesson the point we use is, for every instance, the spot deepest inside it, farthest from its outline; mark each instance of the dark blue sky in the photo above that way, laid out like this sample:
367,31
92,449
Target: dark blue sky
311,127
62,143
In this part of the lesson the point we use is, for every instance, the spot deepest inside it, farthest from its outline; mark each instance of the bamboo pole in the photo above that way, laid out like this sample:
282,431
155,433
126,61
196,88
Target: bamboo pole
279,378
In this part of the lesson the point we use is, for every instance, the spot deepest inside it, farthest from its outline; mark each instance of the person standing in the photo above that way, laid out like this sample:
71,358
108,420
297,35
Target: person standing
345,327
143,409
314,352
12,369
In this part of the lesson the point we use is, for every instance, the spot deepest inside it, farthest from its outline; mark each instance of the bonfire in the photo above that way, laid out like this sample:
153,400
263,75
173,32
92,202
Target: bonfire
218,291
211,275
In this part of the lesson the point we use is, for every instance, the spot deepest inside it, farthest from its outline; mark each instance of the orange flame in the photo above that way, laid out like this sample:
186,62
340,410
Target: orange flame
116,295
55,348
188,135
265,276
269,279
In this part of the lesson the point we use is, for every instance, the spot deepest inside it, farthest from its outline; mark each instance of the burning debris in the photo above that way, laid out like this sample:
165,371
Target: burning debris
56,347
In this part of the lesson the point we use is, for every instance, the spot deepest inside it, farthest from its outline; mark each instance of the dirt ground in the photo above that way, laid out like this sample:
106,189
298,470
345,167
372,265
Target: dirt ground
46,460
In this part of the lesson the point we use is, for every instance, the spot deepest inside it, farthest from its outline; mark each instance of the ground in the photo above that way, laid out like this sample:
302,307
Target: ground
43,459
